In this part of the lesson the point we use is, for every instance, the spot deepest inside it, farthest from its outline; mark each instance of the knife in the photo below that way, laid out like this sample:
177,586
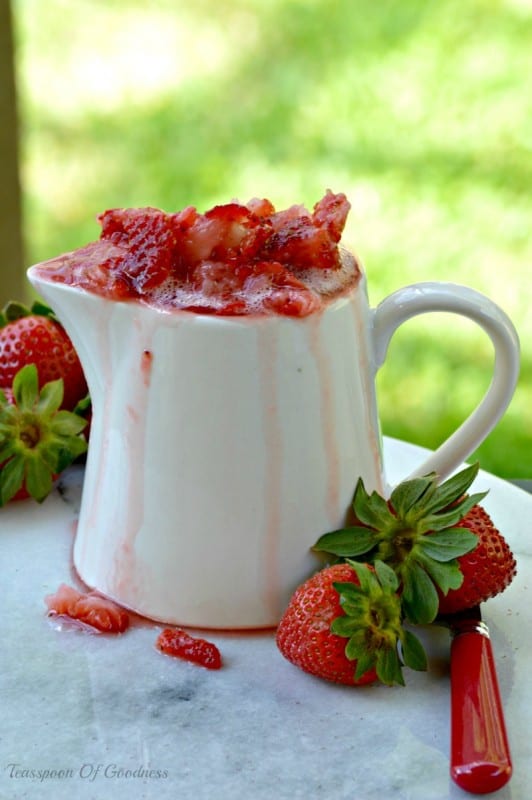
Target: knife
480,753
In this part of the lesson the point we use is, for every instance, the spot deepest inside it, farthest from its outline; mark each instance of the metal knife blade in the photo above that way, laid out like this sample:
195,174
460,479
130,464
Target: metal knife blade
480,752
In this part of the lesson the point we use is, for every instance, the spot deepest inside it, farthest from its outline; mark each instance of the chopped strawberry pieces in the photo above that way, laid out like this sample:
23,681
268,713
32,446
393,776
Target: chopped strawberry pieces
178,643
202,262
261,207
330,213
303,245
90,609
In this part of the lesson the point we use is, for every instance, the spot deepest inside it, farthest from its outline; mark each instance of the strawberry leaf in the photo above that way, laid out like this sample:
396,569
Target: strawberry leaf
11,478
386,575
407,494
354,610
8,413
388,667
14,310
371,509
412,651
83,406
66,423
366,660
350,593
452,489
366,578
445,575
26,387
38,479
449,544
356,646
74,446
7,449
420,598
353,541
346,626
42,310
437,522
50,398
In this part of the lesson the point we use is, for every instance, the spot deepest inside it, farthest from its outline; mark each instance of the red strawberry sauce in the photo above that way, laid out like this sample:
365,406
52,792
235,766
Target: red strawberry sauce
232,260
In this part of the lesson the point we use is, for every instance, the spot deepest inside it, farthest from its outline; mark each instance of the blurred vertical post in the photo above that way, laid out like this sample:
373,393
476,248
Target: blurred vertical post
12,281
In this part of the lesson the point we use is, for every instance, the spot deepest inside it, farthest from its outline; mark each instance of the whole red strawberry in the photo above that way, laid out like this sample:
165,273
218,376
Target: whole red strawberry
34,336
443,547
344,624
487,570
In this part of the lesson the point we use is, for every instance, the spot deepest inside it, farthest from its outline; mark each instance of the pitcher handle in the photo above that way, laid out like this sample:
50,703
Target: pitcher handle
421,298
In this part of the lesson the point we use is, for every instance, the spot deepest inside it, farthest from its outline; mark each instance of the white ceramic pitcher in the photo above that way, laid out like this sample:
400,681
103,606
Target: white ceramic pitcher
221,448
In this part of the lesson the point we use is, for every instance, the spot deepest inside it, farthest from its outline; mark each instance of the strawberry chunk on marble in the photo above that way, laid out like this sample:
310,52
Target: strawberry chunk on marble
89,608
180,644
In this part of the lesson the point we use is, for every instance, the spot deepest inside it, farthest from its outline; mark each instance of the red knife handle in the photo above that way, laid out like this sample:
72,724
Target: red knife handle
480,754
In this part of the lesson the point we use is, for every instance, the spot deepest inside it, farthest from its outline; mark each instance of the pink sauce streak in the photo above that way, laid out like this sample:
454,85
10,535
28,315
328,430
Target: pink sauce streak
146,362
127,572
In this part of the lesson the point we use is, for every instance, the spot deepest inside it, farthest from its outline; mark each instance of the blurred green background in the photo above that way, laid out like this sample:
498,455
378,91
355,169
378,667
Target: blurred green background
420,111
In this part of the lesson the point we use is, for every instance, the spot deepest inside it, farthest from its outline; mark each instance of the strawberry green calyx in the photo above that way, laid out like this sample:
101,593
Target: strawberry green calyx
37,440
83,406
414,533
372,622
14,310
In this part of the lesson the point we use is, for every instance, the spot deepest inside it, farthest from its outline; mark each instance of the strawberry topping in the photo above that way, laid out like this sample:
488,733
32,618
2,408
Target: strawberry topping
234,259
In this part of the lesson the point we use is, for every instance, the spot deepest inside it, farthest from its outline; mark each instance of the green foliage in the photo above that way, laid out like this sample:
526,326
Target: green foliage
417,110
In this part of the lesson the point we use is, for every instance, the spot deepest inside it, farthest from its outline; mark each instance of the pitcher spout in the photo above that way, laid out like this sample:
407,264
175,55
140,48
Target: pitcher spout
83,316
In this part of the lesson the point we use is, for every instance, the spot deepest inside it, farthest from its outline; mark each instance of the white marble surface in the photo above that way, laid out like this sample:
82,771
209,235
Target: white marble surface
95,706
